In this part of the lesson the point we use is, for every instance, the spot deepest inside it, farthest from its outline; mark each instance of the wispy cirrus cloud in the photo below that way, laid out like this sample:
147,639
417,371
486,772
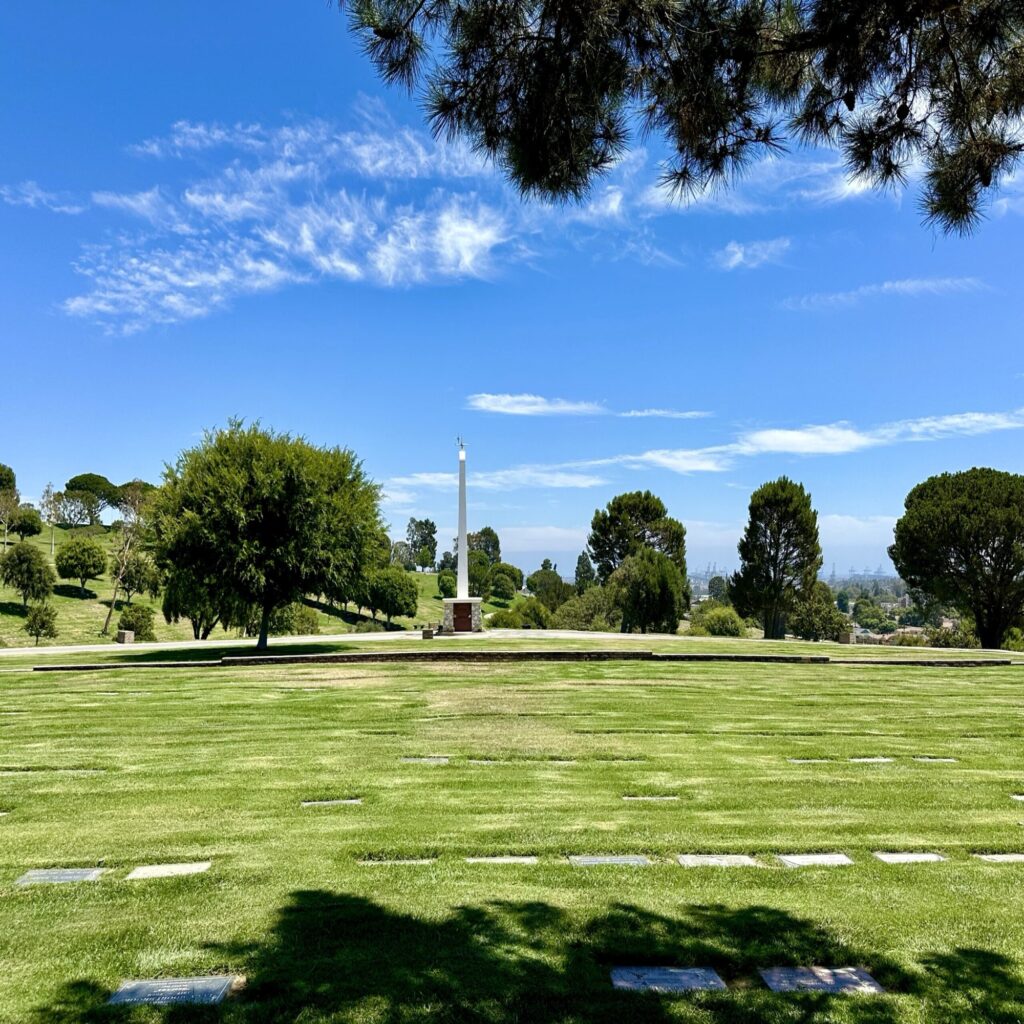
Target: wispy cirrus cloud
750,255
665,414
528,404
33,195
906,288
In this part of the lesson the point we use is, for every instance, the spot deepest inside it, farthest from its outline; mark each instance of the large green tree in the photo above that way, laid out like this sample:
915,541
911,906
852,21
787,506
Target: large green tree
105,493
650,592
960,541
553,93
630,522
585,576
8,480
779,555
191,598
25,569
262,518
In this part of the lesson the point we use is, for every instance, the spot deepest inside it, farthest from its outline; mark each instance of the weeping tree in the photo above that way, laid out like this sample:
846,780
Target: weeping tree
779,555
260,519
554,92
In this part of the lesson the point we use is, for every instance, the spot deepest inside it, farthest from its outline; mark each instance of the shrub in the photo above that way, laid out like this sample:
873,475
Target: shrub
907,640
533,614
1014,639
721,620
447,583
505,618
962,636
592,611
139,619
650,591
41,622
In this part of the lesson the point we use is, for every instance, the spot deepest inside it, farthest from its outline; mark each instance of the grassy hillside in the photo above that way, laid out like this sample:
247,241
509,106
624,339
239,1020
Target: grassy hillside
133,768
80,618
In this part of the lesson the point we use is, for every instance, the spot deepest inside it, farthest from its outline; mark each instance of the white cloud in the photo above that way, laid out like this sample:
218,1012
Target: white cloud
908,287
665,414
532,405
748,255
150,206
839,530
823,439
517,539
31,194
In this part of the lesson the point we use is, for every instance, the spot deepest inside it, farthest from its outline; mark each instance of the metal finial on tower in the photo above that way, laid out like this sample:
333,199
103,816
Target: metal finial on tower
461,442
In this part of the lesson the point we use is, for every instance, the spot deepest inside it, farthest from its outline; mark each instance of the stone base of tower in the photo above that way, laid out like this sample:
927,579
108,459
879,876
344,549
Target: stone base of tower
462,615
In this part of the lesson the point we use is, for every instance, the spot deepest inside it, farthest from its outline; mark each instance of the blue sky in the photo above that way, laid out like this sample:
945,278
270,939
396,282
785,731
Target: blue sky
205,215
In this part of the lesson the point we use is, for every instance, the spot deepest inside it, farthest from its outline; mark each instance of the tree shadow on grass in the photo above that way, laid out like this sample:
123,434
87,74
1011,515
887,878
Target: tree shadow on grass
13,608
337,957
75,592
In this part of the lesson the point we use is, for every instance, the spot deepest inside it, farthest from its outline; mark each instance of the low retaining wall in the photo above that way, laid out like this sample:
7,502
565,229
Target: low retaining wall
494,657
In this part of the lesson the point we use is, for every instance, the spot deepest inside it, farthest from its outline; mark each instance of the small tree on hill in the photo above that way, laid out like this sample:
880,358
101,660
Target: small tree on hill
421,536
10,505
49,508
502,588
25,569
513,572
82,559
393,592
479,574
104,493
779,555
447,583
41,622
26,522
960,541
139,619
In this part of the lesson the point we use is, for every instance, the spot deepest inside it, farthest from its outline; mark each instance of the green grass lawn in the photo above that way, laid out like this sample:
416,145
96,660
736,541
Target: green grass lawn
139,767
80,616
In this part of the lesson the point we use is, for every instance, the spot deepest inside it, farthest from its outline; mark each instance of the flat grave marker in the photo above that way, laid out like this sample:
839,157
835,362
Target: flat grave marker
620,860
910,857
59,876
652,799
717,860
169,870
870,760
667,979
1001,858
936,760
438,759
204,991
503,859
1018,797
820,979
808,760
396,862
815,860
350,800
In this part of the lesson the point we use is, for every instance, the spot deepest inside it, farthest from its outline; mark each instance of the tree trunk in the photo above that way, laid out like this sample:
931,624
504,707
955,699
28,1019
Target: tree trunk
261,644
110,612
51,540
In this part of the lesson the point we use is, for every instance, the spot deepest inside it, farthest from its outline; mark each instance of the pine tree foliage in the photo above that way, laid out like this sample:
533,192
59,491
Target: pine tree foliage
555,92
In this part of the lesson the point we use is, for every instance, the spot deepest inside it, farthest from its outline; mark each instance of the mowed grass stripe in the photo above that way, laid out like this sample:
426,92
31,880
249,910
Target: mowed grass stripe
214,765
